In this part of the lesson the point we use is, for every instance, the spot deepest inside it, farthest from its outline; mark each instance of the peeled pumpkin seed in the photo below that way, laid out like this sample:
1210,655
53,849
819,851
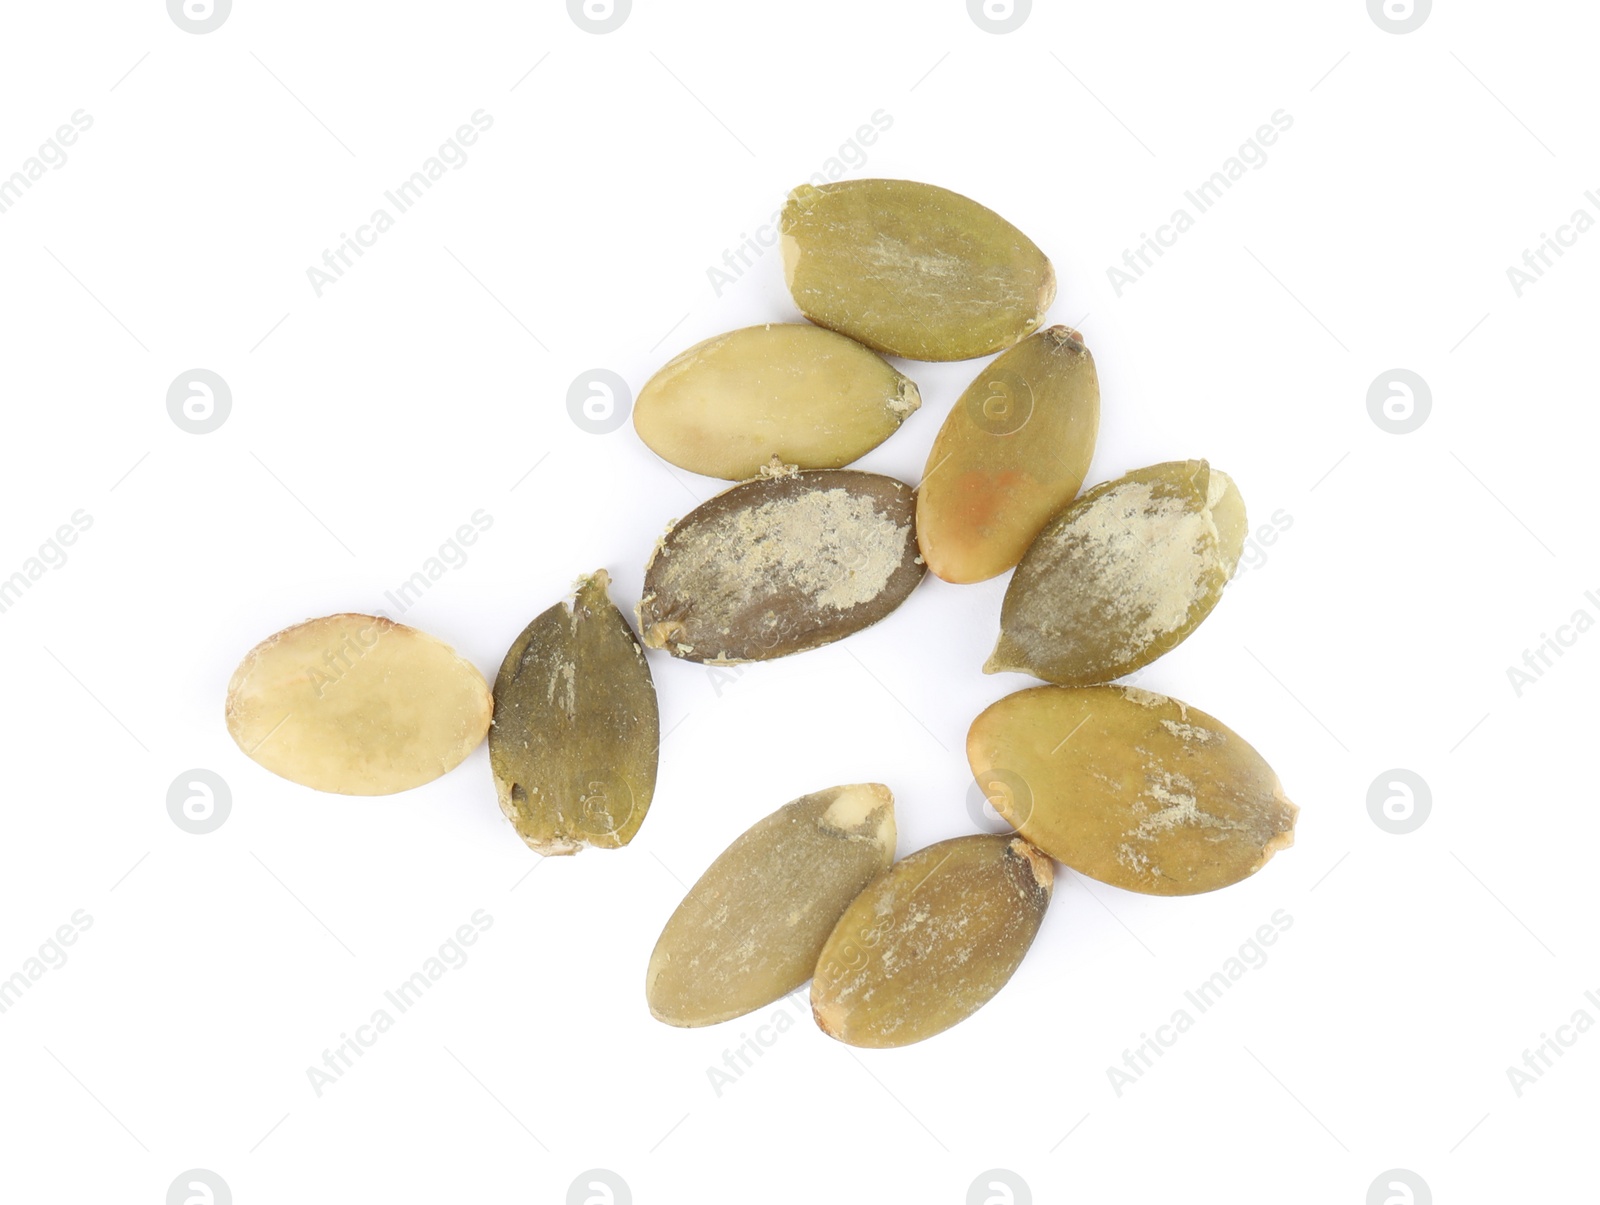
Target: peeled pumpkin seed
1012,452
809,396
1131,788
576,728
785,562
1122,575
357,705
750,929
911,269
931,940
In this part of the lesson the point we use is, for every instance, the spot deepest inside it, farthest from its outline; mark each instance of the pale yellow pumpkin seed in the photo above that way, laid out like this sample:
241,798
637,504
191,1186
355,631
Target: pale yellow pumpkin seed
357,705
809,396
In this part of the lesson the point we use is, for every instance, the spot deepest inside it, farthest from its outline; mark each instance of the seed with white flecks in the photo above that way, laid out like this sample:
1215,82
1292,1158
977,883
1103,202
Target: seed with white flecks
912,269
1130,787
576,727
1122,575
750,929
931,940
786,562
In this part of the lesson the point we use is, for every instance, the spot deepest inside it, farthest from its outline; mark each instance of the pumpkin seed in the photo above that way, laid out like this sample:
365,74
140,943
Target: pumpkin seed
1012,452
576,728
809,396
931,940
750,929
779,564
357,705
911,269
1132,788
1122,575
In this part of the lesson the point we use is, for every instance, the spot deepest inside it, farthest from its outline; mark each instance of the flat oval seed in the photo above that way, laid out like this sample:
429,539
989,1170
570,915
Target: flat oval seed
750,929
809,396
1131,788
1013,451
576,728
911,269
931,940
1122,575
784,563
357,705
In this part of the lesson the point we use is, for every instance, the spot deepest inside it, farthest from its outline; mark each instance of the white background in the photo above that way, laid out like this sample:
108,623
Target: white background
430,382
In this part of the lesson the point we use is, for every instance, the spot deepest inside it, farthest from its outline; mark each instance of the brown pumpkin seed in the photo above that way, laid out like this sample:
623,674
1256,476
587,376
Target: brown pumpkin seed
1131,788
1013,451
357,705
809,396
931,940
1122,575
750,929
786,562
911,269
576,728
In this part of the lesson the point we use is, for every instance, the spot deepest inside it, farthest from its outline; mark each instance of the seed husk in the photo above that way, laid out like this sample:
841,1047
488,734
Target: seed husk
931,940
788,561
750,930
1013,451
357,705
576,727
912,269
809,396
1122,575
1132,788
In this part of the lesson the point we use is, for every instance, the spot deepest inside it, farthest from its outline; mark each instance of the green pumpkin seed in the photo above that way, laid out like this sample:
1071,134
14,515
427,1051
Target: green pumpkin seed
750,929
576,728
1132,788
783,563
809,396
1122,575
1012,452
931,941
357,705
911,269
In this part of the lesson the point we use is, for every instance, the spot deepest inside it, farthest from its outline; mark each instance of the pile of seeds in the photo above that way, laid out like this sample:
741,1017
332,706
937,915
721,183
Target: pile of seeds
1131,788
